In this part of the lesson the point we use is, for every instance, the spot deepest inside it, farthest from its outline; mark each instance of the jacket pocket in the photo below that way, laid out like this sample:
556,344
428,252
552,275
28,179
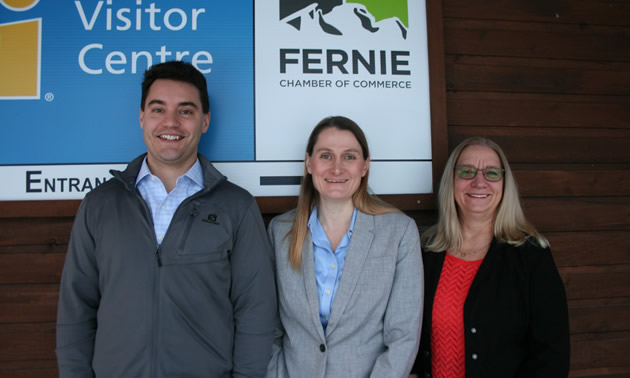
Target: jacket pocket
206,236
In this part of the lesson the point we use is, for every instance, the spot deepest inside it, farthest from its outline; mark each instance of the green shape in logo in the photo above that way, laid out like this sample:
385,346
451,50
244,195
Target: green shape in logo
384,9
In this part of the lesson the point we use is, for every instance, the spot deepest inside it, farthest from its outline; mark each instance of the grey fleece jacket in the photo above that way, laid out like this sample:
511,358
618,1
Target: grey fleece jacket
201,304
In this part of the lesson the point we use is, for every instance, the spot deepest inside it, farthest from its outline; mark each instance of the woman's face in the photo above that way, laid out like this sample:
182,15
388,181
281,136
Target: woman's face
336,164
478,196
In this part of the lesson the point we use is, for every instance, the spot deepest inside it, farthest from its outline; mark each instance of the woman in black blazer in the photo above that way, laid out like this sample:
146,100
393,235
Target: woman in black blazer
495,305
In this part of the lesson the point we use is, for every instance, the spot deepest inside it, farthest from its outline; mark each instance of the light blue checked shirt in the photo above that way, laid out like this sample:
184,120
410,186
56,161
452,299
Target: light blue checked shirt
328,264
163,204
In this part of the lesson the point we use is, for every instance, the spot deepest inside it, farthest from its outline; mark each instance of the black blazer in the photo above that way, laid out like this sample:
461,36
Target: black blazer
515,315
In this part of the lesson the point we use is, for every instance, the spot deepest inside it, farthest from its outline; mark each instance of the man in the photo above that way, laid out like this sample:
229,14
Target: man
168,271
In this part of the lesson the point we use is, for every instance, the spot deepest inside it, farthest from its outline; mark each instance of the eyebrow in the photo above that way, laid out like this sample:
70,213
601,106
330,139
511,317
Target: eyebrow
183,103
472,166
330,149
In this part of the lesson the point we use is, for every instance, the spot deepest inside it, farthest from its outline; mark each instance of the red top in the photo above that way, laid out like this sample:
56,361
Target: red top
447,332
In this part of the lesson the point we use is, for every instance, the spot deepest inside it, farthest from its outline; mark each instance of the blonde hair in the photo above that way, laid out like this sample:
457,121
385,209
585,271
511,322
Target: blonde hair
510,225
362,199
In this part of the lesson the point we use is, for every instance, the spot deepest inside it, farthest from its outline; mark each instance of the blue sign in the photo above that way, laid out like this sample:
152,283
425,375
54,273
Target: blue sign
91,60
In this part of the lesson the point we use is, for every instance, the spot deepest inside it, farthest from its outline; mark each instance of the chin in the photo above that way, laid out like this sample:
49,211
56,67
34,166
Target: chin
336,197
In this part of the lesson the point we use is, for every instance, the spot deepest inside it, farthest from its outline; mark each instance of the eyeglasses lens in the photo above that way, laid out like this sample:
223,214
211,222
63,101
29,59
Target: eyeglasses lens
468,173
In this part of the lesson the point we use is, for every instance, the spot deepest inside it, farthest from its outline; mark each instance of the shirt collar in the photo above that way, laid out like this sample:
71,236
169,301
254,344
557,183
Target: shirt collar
313,221
195,173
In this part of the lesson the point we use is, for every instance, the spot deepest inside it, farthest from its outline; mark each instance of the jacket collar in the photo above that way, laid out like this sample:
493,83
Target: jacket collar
211,176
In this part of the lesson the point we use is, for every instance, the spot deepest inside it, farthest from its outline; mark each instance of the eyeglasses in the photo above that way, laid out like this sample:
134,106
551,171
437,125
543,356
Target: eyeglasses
468,172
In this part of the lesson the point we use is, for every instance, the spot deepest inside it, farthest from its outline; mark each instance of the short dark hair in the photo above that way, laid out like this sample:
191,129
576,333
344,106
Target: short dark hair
179,71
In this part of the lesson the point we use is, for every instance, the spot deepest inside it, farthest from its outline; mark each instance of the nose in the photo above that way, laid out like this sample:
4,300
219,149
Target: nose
170,119
479,180
337,166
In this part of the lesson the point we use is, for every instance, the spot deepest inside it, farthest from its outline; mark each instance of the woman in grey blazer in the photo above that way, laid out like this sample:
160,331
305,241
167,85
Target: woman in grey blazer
348,269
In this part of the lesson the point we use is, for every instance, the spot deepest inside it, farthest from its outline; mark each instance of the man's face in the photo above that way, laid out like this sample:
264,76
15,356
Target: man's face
172,122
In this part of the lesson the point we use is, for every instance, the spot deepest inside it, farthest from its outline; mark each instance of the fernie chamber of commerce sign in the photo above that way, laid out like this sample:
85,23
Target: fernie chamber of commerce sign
70,75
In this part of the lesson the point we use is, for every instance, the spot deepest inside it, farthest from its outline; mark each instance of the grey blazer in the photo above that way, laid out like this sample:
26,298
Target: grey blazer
375,321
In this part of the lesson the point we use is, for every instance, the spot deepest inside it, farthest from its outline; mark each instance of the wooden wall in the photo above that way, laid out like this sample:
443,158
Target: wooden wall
548,80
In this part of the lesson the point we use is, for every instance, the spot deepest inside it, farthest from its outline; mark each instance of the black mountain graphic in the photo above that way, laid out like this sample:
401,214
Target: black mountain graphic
323,7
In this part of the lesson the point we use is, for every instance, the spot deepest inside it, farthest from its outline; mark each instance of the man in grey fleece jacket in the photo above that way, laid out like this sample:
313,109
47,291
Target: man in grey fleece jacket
168,271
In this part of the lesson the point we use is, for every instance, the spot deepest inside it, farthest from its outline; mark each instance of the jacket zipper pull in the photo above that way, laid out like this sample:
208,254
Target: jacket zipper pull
159,259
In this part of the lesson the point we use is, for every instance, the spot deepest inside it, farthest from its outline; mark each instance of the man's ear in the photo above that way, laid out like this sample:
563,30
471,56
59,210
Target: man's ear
206,123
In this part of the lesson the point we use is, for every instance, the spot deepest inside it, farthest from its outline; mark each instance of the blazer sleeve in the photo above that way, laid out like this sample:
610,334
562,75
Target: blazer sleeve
79,298
548,336
403,316
253,295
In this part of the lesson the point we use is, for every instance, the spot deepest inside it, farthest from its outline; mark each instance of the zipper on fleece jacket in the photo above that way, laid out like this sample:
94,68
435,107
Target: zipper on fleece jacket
156,290
155,329
159,259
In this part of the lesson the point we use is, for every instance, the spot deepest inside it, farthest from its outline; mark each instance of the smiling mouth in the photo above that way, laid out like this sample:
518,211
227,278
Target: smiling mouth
336,181
170,137
479,195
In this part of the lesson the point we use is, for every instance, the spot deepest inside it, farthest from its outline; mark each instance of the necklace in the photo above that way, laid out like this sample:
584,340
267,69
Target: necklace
465,254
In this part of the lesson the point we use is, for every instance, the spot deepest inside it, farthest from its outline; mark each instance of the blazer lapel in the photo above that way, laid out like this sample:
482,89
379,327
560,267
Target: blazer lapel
358,251
310,284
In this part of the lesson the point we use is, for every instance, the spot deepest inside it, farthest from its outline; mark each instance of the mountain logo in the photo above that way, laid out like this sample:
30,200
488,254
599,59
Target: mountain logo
20,54
327,14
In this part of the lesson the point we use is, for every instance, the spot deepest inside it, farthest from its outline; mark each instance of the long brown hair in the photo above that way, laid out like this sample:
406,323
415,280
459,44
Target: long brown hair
362,199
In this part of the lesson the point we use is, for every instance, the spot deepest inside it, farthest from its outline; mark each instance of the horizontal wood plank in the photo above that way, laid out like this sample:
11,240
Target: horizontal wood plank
29,369
601,352
596,282
592,248
553,146
38,209
536,40
542,11
622,372
578,214
599,315
572,180
538,110
28,303
31,268
27,342
543,76
35,231
33,249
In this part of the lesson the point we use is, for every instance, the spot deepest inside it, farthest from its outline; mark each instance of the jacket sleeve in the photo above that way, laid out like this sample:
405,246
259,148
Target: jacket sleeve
403,317
548,336
253,295
278,332
79,298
